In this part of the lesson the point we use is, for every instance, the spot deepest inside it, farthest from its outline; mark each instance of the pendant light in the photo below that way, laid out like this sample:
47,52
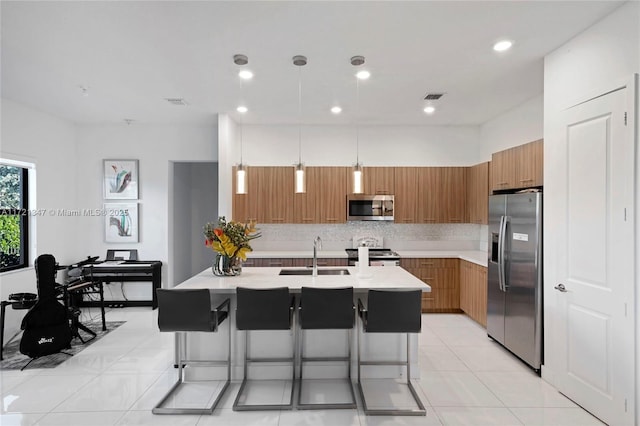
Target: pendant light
241,169
300,181
357,168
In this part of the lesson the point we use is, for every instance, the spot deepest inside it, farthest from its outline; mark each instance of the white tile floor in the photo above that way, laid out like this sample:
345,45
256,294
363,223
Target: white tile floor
466,379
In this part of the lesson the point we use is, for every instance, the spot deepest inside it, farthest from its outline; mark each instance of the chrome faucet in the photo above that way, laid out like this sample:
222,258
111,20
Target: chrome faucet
317,245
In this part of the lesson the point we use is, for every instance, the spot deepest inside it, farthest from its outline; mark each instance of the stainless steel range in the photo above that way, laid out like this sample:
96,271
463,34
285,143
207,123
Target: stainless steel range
378,256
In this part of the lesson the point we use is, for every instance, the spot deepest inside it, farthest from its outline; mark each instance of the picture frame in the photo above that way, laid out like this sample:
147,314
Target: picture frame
121,222
120,179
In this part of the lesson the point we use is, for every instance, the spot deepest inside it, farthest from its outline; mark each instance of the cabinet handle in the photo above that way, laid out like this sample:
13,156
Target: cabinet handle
277,219
426,220
307,219
455,220
526,180
331,219
382,192
275,263
322,263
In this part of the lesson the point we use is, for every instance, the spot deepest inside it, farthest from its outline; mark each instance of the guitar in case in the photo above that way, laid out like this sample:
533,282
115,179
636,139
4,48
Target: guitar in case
46,325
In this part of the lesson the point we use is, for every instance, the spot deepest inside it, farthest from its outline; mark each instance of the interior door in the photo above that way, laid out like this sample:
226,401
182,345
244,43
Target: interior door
594,251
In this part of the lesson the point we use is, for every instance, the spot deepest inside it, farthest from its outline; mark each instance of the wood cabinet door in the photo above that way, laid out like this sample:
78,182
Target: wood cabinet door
473,291
477,193
530,164
429,193
379,180
270,192
453,195
306,206
443,276
333,189
405,206
504,169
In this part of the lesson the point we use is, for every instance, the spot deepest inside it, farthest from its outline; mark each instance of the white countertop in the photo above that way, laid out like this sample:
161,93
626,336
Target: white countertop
475,256
378,277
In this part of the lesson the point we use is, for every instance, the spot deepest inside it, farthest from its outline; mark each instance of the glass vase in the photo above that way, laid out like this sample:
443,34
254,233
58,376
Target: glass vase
225,266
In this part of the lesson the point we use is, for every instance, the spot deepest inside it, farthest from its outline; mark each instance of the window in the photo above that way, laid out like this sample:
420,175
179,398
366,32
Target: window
14,217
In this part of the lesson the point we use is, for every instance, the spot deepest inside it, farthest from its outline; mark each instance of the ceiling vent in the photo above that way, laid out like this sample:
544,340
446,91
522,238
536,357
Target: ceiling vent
433,96
176,101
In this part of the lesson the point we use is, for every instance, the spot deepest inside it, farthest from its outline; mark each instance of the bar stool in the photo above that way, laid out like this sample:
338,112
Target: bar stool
264,309
188,310
323,309
391,312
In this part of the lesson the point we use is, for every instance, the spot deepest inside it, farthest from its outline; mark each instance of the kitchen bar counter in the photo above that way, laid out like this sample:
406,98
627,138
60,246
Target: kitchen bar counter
475,256
377,277
278,343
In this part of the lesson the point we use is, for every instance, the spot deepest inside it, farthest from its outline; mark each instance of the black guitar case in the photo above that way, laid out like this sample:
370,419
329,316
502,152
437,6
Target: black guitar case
46,325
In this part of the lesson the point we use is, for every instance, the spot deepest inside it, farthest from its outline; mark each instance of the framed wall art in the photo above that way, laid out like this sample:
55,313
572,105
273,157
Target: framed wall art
121,222
120,179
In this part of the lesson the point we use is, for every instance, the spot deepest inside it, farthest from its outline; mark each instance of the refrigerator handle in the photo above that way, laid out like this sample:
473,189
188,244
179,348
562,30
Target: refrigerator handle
501,254
503,264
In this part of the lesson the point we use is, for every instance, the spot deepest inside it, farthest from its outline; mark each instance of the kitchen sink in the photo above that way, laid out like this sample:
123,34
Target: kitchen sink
310,272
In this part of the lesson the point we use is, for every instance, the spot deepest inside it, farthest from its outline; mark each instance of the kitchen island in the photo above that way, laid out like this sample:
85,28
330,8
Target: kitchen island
318,342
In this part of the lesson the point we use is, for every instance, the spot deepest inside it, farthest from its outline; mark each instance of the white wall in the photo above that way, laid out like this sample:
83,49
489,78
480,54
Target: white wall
378,146
520,125
50,143
155,146
600,59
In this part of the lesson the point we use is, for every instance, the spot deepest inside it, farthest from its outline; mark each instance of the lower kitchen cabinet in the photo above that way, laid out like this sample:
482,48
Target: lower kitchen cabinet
292,262
473,291
443,276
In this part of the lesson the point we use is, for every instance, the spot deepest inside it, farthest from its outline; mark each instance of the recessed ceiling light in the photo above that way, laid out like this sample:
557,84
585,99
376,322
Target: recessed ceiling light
429,109
363,75
242,109
336,110
502,45
245,75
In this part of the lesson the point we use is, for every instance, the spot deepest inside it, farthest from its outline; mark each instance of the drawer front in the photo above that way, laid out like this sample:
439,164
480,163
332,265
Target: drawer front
428,263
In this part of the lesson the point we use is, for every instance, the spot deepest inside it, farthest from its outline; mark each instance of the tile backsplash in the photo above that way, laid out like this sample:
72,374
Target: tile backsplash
396,236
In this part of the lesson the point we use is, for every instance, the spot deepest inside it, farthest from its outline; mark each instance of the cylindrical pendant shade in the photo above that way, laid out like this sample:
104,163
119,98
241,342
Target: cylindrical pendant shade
300,182
357,179
241,179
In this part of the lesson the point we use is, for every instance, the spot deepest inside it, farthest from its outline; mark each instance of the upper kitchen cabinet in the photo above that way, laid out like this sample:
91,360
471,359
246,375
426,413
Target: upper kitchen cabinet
405,206
518,167
306,205
326,198
477,193
441,194
332,194
378,180
454,195
269,197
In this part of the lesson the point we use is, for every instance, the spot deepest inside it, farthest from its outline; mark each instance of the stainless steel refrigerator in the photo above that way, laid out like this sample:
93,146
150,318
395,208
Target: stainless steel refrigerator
514,287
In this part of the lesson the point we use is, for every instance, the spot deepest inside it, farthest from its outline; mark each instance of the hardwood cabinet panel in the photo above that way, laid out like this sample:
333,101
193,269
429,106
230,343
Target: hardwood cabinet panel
332,200
306,206
443,276
239,202
453,195
378,180
473,291
477,193
429,194
518,167
406,195
530,169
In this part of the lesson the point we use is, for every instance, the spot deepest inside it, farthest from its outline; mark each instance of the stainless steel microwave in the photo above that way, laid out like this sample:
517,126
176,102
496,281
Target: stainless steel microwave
369,207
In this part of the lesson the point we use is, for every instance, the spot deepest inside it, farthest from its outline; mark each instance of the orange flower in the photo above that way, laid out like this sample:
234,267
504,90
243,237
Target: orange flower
218,232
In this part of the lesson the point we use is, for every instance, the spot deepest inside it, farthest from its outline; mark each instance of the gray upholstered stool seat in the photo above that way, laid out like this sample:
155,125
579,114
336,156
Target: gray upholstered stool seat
182,311
391,312
264,309
326,309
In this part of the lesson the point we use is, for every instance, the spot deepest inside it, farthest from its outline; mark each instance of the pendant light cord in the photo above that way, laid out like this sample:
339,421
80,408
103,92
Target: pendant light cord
299,115
357,128
240,121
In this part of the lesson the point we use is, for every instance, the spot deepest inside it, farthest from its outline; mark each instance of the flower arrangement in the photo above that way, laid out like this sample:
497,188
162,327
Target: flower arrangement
231,238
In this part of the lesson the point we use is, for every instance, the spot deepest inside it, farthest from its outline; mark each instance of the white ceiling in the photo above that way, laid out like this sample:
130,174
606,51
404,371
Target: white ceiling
132,55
